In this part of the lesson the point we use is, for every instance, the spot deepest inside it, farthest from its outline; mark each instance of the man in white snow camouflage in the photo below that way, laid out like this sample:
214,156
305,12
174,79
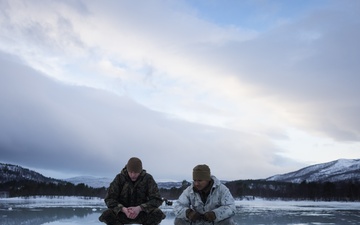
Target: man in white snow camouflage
206,201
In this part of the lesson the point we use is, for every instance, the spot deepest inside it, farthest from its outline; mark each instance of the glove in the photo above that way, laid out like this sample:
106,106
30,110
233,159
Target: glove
210,216
192,215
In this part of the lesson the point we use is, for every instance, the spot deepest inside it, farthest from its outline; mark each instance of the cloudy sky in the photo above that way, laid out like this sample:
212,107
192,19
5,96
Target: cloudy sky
251,88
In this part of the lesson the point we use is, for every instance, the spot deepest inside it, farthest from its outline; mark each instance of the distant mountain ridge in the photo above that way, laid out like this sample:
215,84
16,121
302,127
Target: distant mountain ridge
334,171
91,181
97,182
9,172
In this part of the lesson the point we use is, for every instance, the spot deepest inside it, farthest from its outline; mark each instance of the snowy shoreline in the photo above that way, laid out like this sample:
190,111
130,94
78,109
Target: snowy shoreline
65,210
95,202
53,201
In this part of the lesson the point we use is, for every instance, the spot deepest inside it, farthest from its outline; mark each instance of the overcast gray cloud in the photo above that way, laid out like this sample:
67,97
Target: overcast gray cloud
49,125
86,84
308,66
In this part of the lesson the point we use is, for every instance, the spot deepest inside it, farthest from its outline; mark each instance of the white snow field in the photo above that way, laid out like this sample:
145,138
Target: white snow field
77,210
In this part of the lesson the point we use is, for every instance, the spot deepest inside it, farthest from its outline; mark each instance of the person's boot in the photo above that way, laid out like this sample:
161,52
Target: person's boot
155,217
109,217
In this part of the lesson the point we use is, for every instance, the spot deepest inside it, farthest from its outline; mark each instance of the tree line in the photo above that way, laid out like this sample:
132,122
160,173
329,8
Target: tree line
316,191
32,188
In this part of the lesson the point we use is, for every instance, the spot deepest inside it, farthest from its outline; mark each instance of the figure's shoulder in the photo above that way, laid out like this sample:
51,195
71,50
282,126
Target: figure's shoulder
121,176
146,176
189,190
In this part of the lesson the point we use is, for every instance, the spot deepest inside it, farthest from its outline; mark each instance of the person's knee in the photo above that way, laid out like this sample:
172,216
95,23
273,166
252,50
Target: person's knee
179,221
154,217
108,217
158,214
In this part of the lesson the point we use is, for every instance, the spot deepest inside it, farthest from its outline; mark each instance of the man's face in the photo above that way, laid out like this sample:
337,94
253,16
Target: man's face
200,184
133,175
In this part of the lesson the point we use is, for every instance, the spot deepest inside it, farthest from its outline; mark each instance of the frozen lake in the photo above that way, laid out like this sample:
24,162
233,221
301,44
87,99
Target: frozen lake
69,210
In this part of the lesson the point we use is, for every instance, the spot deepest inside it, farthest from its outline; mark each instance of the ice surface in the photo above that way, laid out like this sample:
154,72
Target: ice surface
75,210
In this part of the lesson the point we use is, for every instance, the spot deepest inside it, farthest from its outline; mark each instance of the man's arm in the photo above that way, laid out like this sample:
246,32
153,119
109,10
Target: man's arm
182,204
227,208
154,197
112,195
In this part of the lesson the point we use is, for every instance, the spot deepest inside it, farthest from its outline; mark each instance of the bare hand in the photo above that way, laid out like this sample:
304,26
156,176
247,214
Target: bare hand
132,212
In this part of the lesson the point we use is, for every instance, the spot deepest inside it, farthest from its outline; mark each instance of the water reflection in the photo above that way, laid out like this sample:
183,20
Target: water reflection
21,214
36,216
282,218
57,215
297,216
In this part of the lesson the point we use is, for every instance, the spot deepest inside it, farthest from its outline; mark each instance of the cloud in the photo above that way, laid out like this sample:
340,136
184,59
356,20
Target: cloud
46,124
113,79
303,71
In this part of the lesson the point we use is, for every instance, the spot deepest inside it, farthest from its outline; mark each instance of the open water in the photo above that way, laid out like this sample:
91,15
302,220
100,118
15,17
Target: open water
66,211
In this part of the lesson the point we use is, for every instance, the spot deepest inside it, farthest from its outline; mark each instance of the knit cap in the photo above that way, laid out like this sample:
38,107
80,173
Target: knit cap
134,165
201,172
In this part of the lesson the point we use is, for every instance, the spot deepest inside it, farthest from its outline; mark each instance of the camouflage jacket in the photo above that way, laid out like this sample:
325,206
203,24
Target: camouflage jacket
125,193
220,201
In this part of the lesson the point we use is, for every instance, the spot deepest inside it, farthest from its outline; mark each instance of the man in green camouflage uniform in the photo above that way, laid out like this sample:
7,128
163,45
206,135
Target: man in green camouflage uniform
133,197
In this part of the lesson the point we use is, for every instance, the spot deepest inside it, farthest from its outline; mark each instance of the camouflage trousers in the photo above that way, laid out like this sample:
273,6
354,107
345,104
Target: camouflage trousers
228,221
152,218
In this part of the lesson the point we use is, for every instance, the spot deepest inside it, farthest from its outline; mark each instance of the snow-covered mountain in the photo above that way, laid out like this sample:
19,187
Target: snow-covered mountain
95,182
9,172
98,182
338,170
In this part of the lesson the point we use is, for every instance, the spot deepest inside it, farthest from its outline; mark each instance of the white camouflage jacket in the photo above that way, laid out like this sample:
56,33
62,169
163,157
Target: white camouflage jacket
219,200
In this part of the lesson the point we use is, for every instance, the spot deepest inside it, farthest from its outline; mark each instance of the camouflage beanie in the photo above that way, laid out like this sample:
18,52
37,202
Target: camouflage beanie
201,172
134,165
